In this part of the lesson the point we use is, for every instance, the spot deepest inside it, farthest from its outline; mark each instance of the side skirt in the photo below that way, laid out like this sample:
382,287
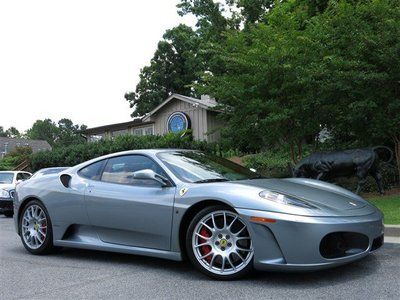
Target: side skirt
101,246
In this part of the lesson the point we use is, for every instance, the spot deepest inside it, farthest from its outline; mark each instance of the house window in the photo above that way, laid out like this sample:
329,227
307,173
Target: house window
148,130
138,131
143,131
120,132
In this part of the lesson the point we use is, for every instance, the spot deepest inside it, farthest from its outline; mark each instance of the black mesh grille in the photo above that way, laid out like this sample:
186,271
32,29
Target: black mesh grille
377,243
341,244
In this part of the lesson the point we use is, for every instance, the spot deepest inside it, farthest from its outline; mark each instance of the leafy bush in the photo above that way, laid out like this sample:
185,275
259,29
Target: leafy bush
75,154
14,158
389,180
270,164
8,163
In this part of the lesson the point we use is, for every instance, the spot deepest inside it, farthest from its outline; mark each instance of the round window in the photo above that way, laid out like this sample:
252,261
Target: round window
177,122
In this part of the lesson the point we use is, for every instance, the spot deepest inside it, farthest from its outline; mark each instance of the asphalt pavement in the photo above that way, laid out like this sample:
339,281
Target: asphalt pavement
81,274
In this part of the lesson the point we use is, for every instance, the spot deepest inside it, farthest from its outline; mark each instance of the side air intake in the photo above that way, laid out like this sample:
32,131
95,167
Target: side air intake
65,180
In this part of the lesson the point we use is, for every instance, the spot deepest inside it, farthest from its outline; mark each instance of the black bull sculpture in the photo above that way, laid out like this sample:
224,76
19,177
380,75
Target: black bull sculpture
329,165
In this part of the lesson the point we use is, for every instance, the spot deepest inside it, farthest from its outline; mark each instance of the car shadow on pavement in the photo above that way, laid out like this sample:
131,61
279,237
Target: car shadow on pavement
328,277
183,270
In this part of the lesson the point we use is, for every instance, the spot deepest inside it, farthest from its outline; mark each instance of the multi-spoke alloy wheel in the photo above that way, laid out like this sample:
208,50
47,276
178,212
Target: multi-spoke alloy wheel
221,243
36,228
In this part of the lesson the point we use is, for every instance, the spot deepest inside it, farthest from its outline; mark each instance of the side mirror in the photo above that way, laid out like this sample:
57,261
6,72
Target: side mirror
18,181
148,174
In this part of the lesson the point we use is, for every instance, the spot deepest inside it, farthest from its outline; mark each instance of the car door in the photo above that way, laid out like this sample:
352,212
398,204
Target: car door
128,211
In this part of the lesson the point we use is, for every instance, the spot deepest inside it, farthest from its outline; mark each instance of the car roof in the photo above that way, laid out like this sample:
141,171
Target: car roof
14,172
128,152
52,168
145,151
154,150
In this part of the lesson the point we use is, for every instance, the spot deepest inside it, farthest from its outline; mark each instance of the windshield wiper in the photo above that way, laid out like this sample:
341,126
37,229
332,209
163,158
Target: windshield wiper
211,180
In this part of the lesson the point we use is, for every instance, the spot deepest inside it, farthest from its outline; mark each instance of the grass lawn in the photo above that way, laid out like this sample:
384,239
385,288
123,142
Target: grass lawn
390,206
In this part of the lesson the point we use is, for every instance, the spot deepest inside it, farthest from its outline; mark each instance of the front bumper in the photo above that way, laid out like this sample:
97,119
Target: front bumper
293,242
6,205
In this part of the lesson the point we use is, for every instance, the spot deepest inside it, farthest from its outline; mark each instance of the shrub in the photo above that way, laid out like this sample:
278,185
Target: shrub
8,163
14,158
389,180
270,164
75,154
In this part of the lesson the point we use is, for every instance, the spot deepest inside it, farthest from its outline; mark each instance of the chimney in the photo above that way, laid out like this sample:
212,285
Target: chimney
5,148
206,98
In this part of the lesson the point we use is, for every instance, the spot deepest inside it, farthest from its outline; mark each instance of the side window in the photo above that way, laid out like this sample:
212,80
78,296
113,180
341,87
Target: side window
26,176
120,170
20,176
92,171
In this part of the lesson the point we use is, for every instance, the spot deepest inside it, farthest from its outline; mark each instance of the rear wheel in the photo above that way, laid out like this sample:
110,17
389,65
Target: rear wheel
36,229
219,244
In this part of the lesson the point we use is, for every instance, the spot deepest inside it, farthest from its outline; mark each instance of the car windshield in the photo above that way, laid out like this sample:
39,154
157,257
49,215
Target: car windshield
6,178
198,167
43,172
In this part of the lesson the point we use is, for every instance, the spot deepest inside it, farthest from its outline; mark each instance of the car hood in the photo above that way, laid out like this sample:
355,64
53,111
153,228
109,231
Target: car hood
329,198
7,186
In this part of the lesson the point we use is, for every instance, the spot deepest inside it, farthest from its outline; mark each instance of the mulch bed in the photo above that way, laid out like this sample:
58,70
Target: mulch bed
392,192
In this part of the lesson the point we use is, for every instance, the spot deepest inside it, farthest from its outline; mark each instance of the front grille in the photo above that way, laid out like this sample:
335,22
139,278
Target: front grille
342,244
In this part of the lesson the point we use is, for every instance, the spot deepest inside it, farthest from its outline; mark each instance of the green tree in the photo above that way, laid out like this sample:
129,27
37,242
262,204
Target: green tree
252,11
43,130
11,132
263,92
173,69
2,132
211,22
184,55
359,72
64,133
68,133
299,72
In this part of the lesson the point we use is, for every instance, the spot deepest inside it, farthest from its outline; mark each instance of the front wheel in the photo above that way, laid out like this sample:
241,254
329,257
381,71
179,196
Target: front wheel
36,229
219,244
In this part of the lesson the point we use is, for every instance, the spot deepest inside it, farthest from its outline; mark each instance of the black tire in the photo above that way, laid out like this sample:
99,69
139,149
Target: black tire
9,214
47,246
192,257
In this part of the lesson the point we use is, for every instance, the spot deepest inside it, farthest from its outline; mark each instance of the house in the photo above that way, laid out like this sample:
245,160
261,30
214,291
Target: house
8,145
175,114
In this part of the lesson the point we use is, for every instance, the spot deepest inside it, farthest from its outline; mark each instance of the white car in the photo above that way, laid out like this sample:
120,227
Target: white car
8,182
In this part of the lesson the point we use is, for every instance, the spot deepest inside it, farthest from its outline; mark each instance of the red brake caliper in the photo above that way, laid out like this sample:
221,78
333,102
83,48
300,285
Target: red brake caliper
205,249
44,227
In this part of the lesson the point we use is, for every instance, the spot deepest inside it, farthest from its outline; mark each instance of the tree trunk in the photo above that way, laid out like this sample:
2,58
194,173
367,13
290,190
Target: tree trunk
397,154
299,150
292,153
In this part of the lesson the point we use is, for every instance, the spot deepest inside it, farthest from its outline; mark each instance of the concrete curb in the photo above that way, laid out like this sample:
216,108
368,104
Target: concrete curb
392,230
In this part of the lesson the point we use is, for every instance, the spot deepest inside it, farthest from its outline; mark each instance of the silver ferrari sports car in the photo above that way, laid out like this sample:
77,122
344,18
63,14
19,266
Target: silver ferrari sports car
177,204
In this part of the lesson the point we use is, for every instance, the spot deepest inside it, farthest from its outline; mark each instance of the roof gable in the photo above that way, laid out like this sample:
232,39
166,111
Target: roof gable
205,103
12,143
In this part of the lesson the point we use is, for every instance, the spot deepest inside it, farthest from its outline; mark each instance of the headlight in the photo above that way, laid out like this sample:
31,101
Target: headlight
284,199
4,194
